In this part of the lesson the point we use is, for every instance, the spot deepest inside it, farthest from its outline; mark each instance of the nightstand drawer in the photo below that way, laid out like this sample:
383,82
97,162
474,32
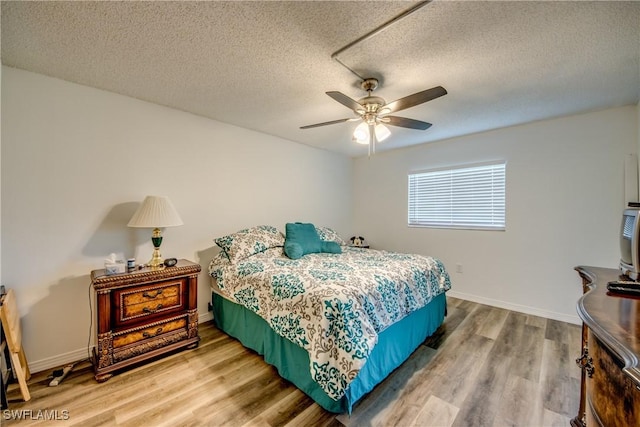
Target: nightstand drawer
151,331
142,301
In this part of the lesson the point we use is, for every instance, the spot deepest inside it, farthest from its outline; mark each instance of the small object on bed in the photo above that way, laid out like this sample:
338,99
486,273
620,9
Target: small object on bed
358,241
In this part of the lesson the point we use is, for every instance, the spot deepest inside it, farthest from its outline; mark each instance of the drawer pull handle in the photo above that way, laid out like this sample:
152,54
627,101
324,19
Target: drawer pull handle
152,310
585,362
148,295
148,335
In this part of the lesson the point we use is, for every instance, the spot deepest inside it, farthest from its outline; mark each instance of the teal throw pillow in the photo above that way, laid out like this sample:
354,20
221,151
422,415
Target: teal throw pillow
331,248
302,238
293,250
306,238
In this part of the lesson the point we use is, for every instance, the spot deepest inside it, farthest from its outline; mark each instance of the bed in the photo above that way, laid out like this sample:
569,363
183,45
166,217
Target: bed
334,324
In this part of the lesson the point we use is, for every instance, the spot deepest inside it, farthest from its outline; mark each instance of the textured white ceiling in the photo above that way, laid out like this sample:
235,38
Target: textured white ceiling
267,65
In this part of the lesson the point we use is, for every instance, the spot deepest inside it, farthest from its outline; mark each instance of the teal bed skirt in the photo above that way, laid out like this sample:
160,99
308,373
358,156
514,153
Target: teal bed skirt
395,345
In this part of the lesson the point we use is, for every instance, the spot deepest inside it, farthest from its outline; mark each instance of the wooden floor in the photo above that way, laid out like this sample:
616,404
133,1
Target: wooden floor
484,367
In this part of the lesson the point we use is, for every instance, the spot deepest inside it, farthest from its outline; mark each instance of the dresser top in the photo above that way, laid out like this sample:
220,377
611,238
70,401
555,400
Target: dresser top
100,280
613,318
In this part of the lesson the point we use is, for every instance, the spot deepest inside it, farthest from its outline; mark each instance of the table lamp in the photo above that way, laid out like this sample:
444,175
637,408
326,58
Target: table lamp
156,212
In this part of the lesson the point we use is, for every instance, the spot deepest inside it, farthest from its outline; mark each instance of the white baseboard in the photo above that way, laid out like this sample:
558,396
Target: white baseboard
205,317
60,360
82,354
519,308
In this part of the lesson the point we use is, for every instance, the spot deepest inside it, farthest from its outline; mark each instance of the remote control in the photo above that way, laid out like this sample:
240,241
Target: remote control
624,283
624,287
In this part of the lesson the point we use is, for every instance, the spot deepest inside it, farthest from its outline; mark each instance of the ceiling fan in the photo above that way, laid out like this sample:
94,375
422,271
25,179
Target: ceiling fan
374,112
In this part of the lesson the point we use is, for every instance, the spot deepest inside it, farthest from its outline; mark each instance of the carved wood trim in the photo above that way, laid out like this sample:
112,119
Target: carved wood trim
192,324
105,350
148,325
183,269
148,345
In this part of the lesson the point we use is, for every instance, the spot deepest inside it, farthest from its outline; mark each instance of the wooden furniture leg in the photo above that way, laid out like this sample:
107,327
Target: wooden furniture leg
11,324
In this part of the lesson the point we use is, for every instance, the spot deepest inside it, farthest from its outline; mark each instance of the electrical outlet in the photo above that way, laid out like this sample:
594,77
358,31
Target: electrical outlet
458,268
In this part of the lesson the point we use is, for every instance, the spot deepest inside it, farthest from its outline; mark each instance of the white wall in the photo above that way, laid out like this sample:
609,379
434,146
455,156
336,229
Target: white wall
77,161
564,201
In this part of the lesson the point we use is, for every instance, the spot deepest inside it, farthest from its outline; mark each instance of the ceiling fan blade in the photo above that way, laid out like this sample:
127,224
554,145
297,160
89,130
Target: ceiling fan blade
345,100
406,123
415,99
332,122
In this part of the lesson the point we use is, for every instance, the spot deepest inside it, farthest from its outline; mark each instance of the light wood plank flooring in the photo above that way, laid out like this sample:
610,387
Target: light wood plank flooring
484,367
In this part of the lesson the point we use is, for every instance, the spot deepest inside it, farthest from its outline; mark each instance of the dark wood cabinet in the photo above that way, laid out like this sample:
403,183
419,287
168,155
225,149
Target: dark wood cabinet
610,386
143,314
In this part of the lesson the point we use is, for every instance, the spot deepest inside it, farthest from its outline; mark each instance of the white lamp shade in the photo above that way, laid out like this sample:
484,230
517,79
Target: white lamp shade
361,133
155,212
382,132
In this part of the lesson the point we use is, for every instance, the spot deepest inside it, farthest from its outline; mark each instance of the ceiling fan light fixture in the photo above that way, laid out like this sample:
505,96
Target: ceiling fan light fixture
361,134
373,111
382,132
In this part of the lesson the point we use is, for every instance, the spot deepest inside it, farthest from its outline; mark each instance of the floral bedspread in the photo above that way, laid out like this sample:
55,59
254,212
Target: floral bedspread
332,305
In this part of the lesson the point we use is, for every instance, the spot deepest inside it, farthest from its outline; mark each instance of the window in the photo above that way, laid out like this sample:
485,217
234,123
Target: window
465,197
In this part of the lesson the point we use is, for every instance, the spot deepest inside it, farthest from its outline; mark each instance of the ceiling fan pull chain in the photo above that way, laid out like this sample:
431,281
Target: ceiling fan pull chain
372,139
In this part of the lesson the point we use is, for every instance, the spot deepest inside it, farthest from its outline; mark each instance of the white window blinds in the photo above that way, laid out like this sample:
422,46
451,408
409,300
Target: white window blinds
468,197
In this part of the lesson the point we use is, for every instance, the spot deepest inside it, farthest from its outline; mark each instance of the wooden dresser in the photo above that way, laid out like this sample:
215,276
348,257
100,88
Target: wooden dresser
143,314
610,386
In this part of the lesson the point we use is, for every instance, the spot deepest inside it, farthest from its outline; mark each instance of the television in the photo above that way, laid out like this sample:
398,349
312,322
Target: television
629,243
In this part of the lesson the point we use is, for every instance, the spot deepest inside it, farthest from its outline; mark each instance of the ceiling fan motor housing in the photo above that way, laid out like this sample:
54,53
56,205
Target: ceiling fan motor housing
372,104
369,85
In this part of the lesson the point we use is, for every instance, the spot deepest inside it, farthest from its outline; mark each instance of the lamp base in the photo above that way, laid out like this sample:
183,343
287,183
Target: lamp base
156,262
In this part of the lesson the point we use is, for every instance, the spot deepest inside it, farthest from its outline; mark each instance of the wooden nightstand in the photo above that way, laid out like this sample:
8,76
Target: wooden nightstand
143,314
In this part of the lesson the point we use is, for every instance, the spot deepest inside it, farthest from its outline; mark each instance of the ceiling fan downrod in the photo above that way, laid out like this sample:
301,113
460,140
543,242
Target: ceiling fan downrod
373,33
